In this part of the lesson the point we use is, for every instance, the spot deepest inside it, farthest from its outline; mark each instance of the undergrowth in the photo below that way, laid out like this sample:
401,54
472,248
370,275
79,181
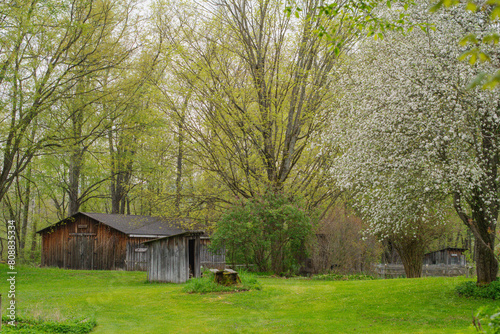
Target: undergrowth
337,277
206,284
32,326
471,289
487,320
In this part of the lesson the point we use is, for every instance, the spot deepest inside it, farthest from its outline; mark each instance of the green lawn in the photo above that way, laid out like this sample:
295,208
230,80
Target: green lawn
122,302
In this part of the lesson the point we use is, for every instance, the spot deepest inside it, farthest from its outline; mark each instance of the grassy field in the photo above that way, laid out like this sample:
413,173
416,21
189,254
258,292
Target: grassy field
123,302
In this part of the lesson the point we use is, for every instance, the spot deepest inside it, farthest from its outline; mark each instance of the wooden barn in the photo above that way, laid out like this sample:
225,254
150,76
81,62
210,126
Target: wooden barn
175,258
104,241
448,256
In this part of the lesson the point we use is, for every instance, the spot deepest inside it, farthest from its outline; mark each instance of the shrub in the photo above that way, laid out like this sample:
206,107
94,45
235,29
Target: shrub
340,245
25,325
207,284
487,320
471,289
269,231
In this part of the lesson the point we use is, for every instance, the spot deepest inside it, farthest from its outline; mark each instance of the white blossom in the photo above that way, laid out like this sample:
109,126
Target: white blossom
409,130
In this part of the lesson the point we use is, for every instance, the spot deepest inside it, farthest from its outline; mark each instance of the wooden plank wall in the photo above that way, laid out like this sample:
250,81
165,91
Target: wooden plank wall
209,259
168,260
59,249
445,257
136,260
102,248
397,270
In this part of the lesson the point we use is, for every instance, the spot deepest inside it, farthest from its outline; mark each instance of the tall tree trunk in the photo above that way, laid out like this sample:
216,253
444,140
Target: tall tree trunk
121,173
484,206
483,227
180,156
34,236
484,232
76,160
12,216
27,198
25,212
486,264
123,205
75,167
411,250
115,201
34,239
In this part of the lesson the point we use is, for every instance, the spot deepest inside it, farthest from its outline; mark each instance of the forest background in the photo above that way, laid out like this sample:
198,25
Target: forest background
184,109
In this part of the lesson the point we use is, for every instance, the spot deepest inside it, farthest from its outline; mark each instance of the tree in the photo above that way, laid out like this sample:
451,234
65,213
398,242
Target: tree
340,245
267,231
46,48
421,134
480,45
259,90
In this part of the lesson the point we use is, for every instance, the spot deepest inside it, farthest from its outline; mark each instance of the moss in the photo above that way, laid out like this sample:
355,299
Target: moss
227,278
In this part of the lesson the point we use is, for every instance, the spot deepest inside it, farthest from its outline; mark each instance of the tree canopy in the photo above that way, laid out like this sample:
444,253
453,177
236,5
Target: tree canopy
413,133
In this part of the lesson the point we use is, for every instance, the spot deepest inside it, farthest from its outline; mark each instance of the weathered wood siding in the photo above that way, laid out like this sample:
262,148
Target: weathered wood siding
443,270
446,256
168,259
209,259
84,243
136,258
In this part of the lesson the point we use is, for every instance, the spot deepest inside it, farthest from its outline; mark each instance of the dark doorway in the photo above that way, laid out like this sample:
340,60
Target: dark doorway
191,257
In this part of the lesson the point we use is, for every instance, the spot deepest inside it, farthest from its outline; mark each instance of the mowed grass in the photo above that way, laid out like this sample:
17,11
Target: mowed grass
123,302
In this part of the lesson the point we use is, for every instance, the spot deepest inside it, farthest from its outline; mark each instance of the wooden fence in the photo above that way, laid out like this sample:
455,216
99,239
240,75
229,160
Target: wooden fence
397,270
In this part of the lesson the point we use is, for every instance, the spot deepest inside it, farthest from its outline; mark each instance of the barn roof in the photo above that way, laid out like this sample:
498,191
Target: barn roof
133,225
448,249
186,233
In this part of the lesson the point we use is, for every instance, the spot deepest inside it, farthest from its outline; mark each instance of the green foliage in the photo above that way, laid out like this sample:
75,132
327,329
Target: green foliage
121,303
25,325
487,320
359,19
337,277
471,289
206,284
268,231
469,259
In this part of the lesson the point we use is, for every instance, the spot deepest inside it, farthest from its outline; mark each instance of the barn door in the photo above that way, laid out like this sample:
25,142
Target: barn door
81,252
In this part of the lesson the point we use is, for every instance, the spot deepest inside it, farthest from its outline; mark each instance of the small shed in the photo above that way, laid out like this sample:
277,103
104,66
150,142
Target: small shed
99,241
447,256
174,258
211,259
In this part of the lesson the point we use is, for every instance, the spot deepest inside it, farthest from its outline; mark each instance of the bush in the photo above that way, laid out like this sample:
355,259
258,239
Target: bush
206,284
335,277
25,325
268,231
471,289
487,320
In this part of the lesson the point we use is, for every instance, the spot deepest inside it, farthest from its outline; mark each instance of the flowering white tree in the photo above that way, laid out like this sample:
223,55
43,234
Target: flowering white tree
412,134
